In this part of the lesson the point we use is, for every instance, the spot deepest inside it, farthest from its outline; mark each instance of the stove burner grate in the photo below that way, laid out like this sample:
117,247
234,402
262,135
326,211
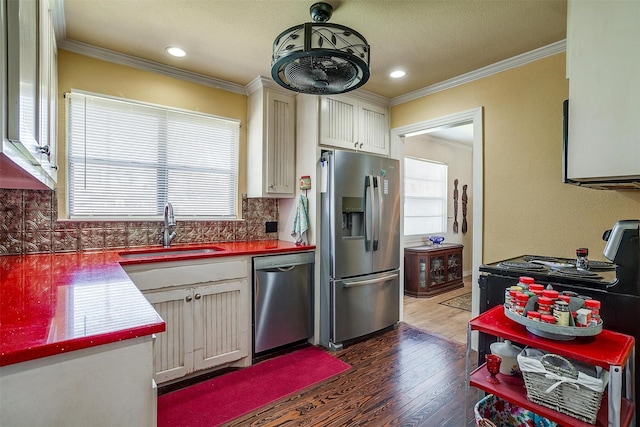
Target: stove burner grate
572,272
601,265
540,258
523,266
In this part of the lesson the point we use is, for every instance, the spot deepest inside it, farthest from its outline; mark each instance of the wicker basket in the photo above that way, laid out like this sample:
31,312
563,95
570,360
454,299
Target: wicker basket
552,381
491,411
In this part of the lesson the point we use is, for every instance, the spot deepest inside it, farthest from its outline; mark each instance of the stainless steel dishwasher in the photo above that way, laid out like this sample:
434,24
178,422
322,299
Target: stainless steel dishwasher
282,300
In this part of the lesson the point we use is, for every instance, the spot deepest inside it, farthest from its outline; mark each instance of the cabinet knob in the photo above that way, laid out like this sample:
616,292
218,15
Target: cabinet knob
188,298
355,145
361,144
198,296
45,150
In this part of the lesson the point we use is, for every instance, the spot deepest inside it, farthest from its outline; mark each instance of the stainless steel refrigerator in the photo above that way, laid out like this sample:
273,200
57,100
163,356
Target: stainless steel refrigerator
360,246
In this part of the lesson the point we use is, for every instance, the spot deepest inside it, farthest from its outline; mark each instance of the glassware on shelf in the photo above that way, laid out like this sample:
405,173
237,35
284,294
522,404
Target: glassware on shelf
493,366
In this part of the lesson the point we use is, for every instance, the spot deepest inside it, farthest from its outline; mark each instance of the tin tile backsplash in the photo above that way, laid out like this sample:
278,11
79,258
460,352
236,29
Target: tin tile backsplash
28,224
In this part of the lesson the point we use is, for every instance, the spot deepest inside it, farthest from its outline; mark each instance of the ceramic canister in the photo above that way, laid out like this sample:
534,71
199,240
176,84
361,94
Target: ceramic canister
509,354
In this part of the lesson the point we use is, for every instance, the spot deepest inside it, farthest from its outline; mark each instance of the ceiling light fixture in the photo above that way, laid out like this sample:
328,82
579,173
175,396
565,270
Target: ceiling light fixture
320,58
397,74
176,51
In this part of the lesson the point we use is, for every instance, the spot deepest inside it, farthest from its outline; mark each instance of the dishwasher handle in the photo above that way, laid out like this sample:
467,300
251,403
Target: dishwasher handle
278,269
386,278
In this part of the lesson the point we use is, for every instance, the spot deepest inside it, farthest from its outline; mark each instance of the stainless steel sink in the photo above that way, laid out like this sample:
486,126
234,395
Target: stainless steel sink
168,252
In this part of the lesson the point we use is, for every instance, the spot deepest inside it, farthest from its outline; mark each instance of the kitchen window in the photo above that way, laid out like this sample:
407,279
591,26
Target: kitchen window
425,198
126,159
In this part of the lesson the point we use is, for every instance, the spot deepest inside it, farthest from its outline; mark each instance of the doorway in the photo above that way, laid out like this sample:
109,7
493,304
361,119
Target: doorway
462,130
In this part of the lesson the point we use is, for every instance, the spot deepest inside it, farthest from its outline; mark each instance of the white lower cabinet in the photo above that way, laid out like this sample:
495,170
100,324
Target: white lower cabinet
207,322
207,326
107,385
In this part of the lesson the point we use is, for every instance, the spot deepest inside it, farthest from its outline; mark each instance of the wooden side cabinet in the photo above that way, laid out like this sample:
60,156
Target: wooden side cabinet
430,270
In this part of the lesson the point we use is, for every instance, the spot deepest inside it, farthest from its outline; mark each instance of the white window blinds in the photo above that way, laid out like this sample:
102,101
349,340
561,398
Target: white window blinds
127,159
425,197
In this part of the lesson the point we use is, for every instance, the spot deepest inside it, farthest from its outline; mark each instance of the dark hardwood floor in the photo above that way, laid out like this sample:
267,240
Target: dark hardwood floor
400,377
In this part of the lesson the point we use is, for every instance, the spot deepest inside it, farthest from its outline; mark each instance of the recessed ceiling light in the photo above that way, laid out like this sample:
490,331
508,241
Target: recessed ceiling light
176,51
397,74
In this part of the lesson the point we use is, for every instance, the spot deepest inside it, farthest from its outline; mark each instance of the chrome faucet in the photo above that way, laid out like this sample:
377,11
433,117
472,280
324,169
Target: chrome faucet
169,221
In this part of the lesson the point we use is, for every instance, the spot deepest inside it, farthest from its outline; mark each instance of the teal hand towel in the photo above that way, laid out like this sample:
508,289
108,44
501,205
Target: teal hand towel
301,221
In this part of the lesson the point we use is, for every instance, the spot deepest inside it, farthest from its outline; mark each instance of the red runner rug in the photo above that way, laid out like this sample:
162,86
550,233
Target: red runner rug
221,399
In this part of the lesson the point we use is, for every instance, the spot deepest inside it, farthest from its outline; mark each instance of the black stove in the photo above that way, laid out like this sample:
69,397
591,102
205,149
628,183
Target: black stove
553,269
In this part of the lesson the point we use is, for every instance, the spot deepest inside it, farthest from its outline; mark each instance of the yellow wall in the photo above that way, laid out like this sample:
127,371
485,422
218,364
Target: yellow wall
93,75
527,209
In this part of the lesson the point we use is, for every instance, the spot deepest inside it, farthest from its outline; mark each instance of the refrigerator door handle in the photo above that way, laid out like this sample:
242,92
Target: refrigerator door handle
354,283
378,226
368,212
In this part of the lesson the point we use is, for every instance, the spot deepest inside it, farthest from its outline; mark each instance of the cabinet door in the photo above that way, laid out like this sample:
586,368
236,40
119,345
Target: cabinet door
280,147
221,323
47,93
22,76
604,89
373,129
173,348
454,265
437,269
339,122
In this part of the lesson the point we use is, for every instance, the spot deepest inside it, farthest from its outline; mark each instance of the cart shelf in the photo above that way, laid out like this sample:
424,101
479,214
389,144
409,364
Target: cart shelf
512,388
610,350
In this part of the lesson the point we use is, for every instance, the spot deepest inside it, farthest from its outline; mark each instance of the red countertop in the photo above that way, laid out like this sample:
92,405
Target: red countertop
56,303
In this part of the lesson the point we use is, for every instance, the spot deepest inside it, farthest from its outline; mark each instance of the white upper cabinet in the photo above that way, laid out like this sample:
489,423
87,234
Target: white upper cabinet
28,149
347,122
603,68
271,141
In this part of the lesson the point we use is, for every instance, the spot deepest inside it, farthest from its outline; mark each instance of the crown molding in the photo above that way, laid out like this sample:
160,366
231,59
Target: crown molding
374,98
487,71
144,64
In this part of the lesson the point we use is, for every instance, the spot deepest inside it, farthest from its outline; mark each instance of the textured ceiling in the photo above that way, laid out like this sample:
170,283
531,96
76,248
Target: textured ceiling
231,40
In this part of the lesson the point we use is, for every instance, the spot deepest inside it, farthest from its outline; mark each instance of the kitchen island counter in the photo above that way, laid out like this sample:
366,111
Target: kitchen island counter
61,302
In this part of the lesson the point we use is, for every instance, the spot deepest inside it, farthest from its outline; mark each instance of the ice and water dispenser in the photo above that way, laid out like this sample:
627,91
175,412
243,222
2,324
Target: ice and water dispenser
352,217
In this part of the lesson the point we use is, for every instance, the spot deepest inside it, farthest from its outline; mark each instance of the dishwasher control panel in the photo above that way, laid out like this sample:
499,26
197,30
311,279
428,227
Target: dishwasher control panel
283,260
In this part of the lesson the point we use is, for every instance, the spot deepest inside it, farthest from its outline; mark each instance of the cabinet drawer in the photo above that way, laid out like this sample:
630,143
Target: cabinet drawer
168,274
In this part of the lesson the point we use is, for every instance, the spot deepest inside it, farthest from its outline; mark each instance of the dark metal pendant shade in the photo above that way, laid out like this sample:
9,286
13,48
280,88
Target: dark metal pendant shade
320,58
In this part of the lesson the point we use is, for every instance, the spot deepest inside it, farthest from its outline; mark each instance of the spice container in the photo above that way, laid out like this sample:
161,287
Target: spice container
525,281
509,294
594,306
544,305
583,317
536,287
565,298
550,293
510,301
521,302
533,315
547,318
582,263
561,312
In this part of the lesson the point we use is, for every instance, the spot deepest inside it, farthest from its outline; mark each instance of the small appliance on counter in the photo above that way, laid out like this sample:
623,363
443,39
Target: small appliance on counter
615,284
